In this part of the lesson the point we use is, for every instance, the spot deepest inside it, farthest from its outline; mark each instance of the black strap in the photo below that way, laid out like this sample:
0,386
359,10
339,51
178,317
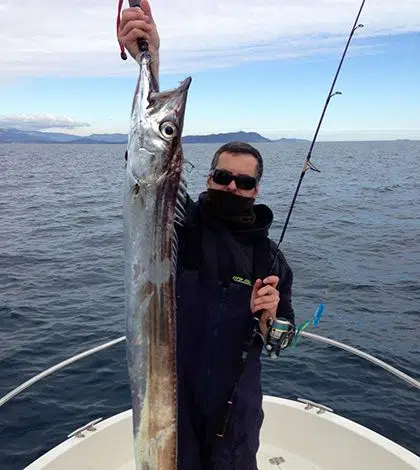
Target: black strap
261,260
261,267
192,257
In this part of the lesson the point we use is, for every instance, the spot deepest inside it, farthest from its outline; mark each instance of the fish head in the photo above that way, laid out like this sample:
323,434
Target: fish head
154,148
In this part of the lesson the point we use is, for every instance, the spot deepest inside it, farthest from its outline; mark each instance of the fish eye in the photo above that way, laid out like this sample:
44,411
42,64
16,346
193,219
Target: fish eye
168,130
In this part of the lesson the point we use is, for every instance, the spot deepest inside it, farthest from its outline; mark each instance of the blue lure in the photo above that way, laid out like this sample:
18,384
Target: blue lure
318,314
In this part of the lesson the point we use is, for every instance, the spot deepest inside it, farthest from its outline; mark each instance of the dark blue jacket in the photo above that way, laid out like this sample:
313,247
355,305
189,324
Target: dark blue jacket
229,254
217,266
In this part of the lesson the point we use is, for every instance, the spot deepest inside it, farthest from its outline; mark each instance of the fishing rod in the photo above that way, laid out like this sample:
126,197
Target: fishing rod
281,332
308,165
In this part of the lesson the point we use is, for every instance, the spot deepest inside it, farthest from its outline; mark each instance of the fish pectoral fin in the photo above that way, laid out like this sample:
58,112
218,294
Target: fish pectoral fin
147,183
143,308
145,303
161,178
165,434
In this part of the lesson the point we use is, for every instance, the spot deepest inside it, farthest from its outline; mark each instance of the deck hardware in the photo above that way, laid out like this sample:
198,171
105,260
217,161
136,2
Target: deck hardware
276,461
87,427
311,404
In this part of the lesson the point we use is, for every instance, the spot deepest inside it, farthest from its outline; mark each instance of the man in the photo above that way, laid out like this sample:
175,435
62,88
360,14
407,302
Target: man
223,278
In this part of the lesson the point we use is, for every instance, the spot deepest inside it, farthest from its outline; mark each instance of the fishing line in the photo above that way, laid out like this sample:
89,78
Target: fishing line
143,44
308,165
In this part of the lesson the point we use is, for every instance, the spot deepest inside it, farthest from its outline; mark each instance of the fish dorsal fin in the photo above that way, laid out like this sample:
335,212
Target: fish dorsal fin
180,213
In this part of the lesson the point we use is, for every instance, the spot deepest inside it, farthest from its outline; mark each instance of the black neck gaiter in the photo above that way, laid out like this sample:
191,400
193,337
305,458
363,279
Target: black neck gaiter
231,208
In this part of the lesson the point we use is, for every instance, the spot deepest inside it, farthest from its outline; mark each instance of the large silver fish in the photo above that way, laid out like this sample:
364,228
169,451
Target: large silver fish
153,203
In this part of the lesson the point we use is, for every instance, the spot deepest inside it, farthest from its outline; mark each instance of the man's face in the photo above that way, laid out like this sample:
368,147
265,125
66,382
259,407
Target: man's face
240,165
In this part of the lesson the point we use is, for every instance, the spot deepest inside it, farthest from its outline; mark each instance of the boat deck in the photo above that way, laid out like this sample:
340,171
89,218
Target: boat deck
294,436
274,458
269,458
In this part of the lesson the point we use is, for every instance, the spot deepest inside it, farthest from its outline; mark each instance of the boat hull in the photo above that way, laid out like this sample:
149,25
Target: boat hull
294,436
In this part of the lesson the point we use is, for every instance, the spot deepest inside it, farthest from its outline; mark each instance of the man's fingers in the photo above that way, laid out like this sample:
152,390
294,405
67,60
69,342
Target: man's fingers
271,296
145,6
266,299
272,280
139,25
266,317
133,35
267,290
270,306
257,285
133,14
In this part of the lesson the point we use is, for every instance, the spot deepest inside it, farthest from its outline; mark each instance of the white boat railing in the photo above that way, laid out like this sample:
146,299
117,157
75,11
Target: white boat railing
61,365
357,352
57,367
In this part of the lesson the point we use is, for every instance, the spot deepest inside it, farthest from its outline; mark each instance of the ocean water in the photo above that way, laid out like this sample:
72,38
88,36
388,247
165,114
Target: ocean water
353,244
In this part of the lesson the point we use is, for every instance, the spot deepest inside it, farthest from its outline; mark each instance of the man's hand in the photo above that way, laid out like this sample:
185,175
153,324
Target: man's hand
265,297
137,23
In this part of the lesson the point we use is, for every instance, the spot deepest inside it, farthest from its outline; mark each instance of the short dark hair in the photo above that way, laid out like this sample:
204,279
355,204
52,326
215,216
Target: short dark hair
239,147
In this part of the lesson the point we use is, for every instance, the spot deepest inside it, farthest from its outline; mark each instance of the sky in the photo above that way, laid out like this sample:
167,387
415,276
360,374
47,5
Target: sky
261,65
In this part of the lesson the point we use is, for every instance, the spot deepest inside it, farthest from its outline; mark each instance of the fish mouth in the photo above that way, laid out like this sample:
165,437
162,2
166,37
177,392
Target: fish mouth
157,136
185,84
179,92
170,106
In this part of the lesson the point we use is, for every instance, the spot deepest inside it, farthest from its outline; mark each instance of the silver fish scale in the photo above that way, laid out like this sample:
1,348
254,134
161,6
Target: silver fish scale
154,201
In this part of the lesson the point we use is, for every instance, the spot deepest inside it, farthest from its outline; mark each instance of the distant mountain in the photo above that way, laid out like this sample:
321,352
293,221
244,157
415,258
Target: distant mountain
110,138
290,140
223,138
19,136
16,135
87,140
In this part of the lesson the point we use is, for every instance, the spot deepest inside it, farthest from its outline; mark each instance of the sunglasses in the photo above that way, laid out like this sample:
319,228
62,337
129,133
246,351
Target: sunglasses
225,177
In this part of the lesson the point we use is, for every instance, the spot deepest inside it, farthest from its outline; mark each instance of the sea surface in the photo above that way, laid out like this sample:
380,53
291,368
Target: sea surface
353,244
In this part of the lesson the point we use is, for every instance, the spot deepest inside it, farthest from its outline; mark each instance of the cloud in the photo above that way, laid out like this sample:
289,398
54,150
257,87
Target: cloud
39,122
78,38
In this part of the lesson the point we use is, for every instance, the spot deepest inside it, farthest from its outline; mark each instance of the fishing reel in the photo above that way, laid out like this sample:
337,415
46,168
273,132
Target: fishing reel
280,334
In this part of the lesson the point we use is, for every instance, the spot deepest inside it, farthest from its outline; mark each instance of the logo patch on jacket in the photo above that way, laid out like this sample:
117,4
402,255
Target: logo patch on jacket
241,280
